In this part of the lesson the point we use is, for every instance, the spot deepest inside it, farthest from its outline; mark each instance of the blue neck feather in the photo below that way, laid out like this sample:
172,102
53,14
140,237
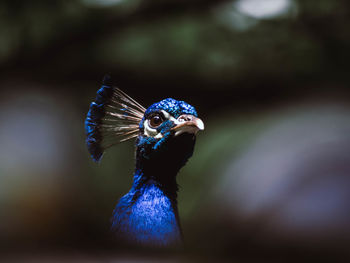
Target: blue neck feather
147,215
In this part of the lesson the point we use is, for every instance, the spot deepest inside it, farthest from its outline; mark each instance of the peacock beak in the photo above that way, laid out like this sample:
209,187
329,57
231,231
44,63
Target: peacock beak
188,123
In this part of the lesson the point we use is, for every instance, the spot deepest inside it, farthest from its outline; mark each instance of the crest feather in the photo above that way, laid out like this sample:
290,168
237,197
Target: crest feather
112,118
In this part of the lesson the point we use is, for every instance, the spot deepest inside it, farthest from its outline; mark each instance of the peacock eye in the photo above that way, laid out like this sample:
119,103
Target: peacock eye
155,121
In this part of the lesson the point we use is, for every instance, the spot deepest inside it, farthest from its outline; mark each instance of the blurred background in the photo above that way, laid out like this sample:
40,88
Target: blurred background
270,177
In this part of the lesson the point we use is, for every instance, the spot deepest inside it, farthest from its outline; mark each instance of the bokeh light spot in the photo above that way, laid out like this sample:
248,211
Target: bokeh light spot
263,8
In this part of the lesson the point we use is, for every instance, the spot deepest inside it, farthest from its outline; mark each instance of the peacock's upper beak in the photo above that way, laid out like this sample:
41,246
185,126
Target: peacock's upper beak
188,123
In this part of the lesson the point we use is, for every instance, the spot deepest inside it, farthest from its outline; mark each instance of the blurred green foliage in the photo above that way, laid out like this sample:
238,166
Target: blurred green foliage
199,42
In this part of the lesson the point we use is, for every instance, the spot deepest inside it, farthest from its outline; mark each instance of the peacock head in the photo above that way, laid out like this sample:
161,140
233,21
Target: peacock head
165,132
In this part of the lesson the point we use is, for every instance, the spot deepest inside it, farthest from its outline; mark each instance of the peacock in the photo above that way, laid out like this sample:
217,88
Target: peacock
165,136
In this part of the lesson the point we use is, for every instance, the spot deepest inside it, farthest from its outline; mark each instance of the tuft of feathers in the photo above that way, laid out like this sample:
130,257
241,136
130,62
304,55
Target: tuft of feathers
112,118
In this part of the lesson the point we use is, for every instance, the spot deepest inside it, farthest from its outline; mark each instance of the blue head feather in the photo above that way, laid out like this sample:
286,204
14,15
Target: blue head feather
172,106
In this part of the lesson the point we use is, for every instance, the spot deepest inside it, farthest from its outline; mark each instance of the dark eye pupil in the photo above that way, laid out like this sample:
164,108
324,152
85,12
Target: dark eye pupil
155,121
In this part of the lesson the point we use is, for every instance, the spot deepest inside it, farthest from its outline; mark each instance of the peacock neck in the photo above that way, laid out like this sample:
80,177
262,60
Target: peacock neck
158,174
148,214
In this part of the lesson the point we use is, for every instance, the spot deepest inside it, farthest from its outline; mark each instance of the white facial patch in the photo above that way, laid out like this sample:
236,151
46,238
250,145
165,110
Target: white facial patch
152,132
168,116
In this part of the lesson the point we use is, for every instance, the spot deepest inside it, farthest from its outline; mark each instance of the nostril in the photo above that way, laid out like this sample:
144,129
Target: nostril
185,118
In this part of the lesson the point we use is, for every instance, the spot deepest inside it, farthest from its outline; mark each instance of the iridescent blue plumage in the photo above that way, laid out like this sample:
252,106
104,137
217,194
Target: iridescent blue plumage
172,106
147,215
94,120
